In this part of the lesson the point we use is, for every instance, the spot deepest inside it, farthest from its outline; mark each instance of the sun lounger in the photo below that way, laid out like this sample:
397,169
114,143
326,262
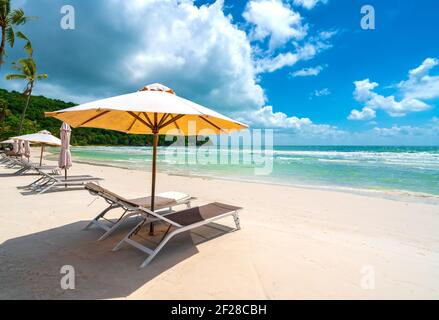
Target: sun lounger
8,159
181,221
57,182
165,200
29,166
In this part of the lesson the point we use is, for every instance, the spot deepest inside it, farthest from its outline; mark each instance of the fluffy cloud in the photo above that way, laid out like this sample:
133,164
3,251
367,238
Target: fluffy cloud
309,4
275,20
364,94
266,118
308,72
198,44
420,85
365,114
197,50
306,51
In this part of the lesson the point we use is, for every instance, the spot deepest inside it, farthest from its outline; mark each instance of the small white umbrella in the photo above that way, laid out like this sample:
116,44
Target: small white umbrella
27,150
9,141
44,138
65,158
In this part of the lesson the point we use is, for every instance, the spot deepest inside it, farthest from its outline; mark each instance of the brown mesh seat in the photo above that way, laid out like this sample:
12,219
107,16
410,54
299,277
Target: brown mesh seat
179,222
197,214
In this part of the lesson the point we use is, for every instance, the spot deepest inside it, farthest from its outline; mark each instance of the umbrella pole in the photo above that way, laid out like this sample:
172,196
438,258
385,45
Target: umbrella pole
65,176
154,167
41,155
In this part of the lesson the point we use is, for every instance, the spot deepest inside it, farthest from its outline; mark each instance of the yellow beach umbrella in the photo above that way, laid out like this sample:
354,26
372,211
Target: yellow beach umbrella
154,109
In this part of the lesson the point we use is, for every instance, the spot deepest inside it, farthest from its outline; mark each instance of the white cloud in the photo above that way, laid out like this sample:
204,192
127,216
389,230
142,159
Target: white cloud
275,20
281,60
365,114
321,93
196,49
364,94
308,72
420,85
266,118
309,4
396,130
307,51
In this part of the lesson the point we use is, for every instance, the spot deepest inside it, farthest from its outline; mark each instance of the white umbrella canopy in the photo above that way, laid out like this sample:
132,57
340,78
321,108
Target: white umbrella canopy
9,141
43,138
154,109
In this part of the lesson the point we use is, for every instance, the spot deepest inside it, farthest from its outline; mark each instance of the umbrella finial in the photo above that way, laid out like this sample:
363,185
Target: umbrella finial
157,87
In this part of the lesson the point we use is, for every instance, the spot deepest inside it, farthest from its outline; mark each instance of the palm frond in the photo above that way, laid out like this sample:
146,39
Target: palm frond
28,45
10,36
17,17
42,76
15,77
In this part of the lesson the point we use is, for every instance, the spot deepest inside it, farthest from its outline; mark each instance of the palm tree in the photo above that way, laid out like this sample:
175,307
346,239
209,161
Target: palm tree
9,19
28,72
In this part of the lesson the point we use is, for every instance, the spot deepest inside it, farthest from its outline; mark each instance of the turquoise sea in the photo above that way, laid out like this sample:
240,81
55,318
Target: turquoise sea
408,169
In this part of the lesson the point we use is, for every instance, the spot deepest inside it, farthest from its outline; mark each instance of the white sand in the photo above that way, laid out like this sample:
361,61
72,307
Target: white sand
294,243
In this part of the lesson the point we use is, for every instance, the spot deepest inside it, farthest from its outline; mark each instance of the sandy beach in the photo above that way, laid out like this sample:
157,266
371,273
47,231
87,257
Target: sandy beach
295,243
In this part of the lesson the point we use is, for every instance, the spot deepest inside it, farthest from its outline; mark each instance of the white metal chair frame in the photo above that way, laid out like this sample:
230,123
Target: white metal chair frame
130,209
168,235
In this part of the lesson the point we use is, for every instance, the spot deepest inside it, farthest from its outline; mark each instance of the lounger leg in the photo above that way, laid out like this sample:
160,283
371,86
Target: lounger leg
32,184
116,225
134,230
47,188
100,215
159,247
237,223
21,171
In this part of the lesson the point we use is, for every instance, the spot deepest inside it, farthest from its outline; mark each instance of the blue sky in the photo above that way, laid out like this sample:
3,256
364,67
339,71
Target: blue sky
305,68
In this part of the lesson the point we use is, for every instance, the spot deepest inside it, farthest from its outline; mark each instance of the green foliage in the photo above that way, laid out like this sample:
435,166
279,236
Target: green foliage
35,121
28,72
8,20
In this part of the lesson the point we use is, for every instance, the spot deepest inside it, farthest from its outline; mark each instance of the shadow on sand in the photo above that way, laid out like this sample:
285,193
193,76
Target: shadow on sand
30,265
